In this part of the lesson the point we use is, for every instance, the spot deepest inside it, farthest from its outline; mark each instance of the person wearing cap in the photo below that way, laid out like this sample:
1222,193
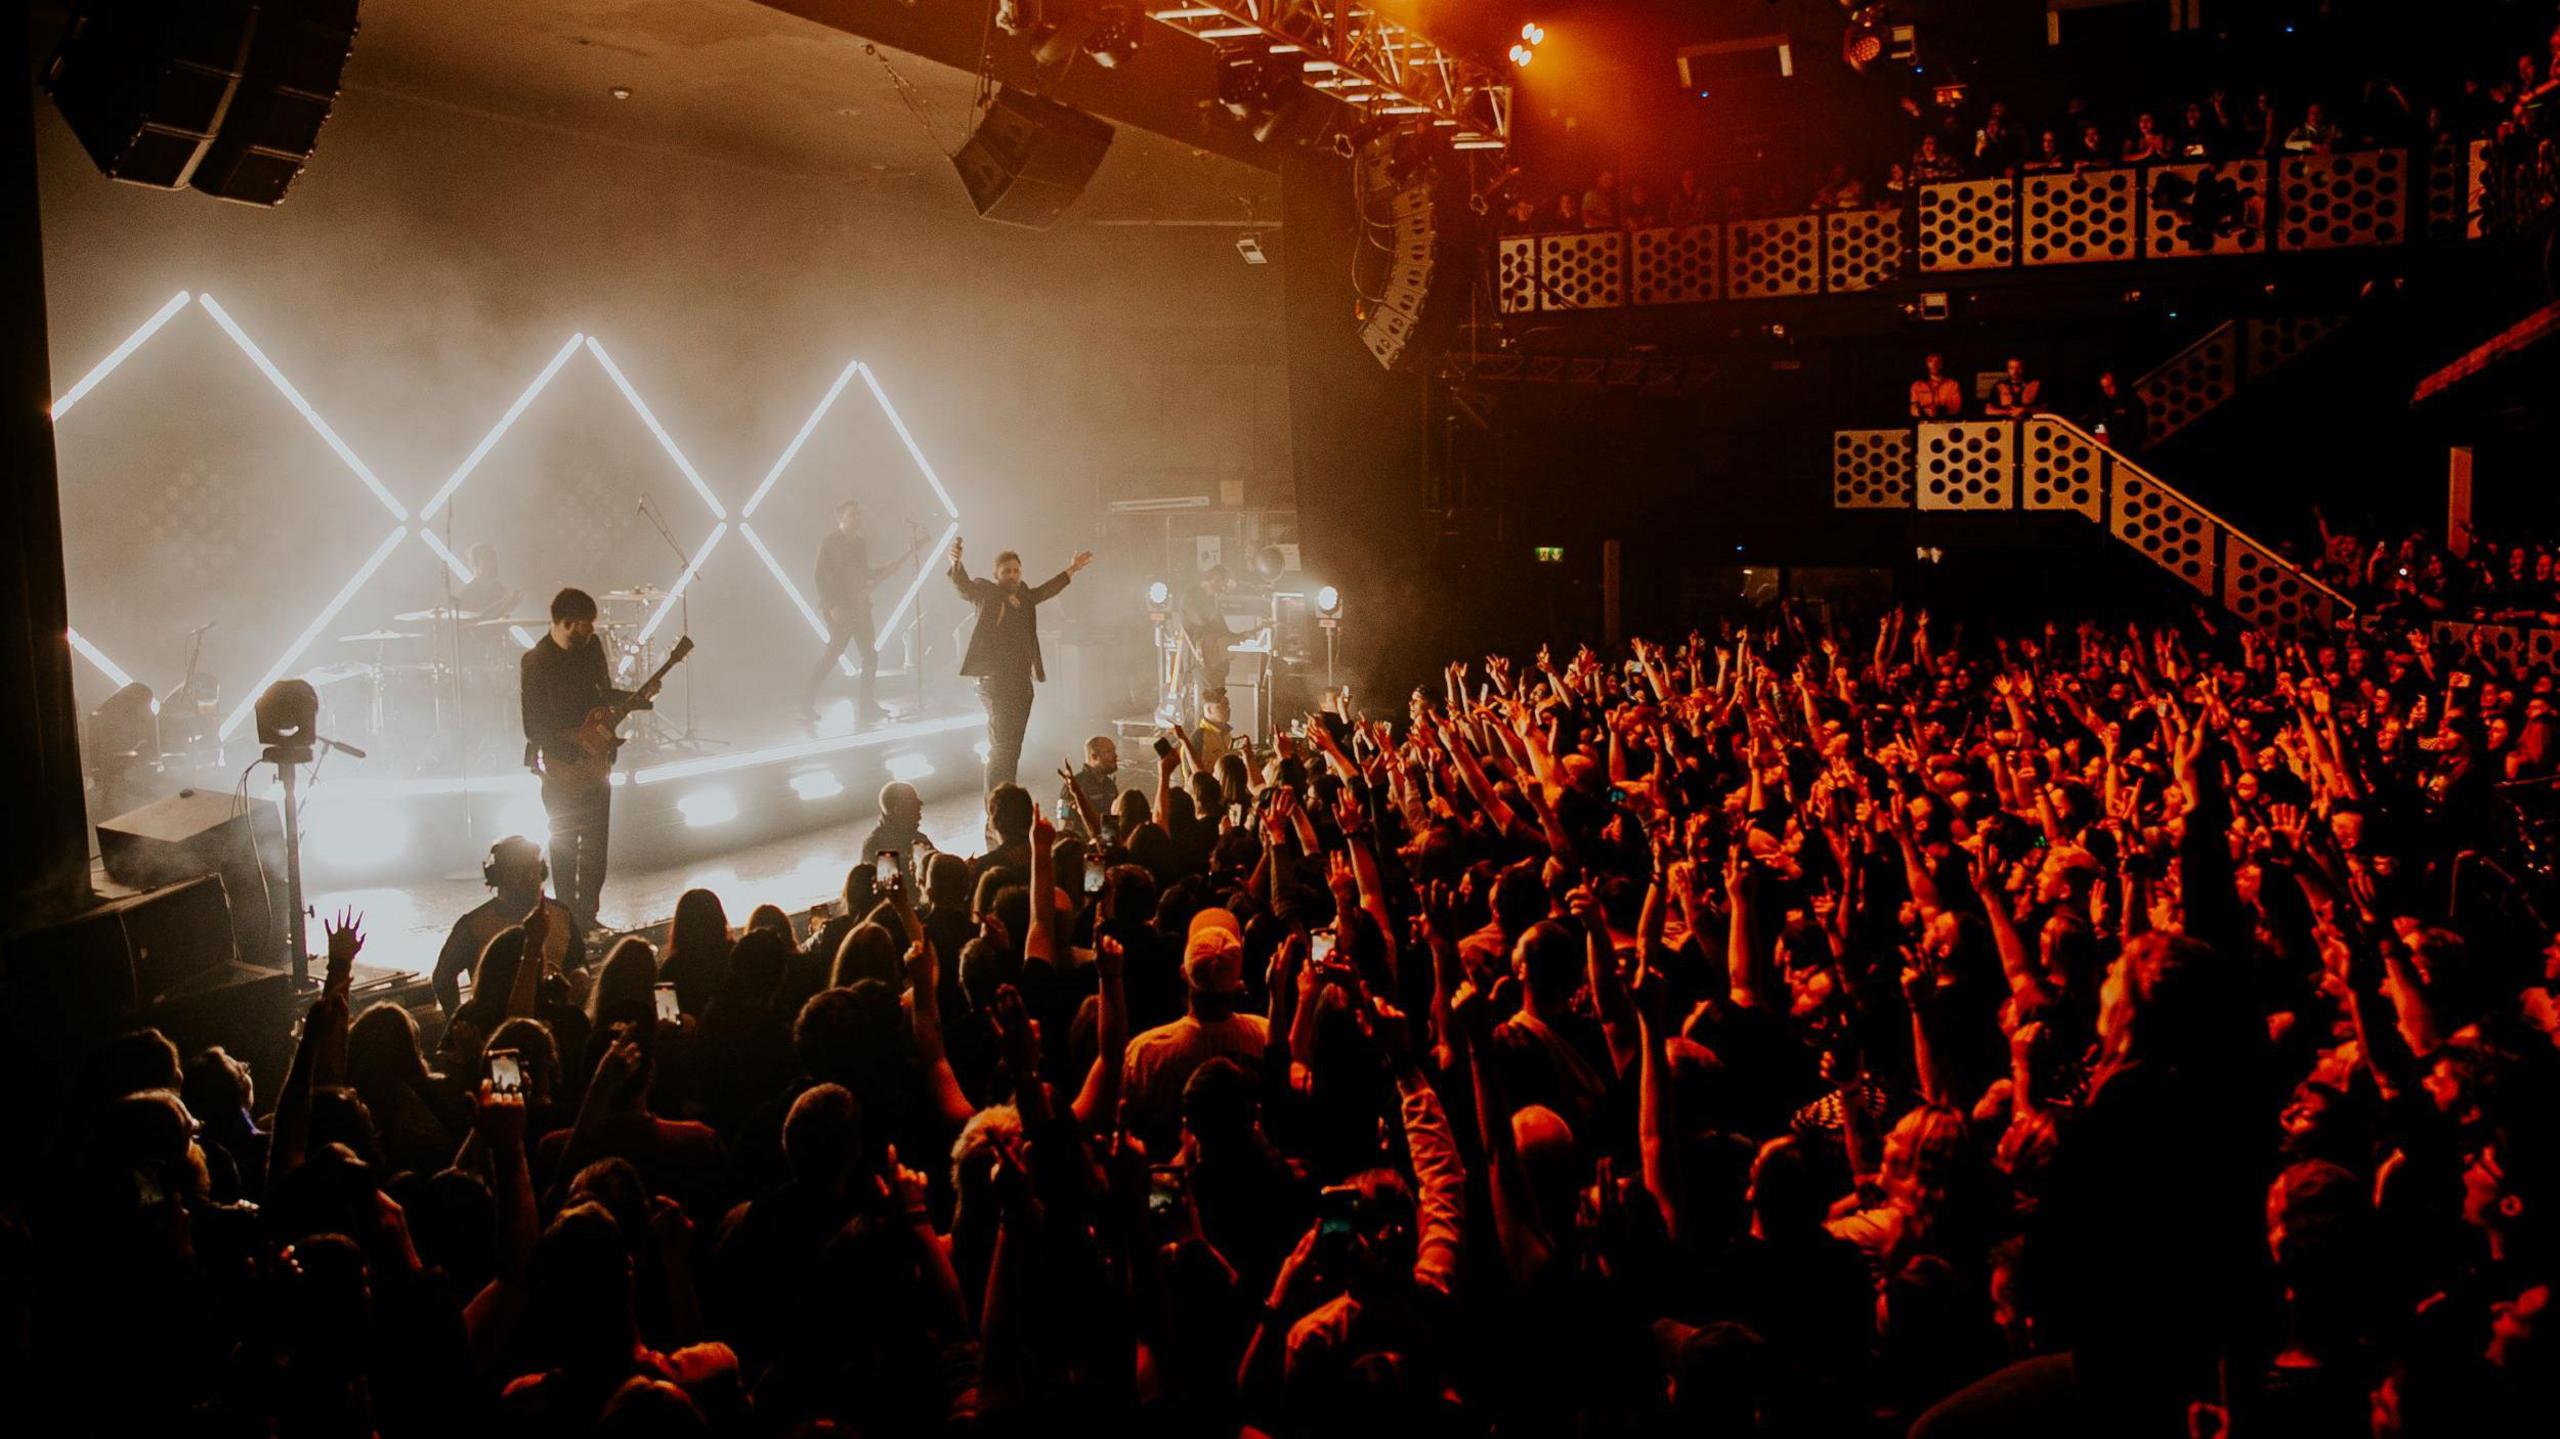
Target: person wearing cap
1161,1061
517,872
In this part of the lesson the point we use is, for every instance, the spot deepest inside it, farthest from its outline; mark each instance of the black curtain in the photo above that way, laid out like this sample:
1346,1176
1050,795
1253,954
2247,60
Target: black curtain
46,851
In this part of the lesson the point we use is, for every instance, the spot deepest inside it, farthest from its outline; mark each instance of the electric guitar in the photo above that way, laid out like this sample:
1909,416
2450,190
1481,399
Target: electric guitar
592,757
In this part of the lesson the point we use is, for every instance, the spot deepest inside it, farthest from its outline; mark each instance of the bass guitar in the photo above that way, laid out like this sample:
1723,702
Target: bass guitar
597,744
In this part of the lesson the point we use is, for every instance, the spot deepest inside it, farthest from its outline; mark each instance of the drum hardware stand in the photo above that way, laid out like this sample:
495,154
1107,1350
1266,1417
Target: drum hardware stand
289,760
690,738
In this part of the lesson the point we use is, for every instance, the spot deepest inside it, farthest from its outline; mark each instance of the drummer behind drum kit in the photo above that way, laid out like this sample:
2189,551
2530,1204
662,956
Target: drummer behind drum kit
439,686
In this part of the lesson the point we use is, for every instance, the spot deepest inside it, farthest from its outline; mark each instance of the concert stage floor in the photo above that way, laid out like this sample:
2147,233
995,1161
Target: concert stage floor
406,921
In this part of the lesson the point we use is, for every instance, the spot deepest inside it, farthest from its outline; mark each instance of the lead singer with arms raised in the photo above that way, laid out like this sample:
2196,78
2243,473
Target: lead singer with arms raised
1004,650
562,678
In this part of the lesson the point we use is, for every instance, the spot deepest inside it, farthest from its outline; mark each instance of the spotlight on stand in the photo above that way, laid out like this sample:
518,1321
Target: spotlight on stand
285,715
1328,619
288,716
1159,595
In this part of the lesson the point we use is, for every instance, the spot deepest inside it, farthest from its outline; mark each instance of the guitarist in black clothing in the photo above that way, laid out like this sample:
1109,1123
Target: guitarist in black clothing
846,578
564,676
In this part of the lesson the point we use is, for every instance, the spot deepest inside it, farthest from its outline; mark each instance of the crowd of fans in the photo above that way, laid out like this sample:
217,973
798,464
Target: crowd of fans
1947,136
1797,1031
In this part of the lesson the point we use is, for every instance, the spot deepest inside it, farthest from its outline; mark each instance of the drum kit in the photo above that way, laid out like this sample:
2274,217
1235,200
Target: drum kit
438,687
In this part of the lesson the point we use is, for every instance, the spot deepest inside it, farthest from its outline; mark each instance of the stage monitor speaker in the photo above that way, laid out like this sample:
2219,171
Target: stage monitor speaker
194,833
118,963
145,84
285,96
1029,159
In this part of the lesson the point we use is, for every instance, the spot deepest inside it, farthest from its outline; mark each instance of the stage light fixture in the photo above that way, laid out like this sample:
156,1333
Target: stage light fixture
287,710
707,807
1250,247
1521,55
1159,595
1115,36
1329,602
817,784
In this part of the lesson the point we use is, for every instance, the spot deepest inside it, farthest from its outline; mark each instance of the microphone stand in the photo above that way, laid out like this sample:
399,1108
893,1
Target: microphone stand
684,615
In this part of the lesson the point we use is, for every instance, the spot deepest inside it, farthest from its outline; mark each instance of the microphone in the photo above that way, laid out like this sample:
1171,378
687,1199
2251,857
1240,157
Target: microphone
345,749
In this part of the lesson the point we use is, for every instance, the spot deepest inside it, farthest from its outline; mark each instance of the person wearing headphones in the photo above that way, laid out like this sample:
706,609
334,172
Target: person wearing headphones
517,871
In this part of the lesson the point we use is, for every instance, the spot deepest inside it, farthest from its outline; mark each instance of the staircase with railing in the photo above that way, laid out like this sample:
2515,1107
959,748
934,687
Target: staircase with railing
2223,361
2047,463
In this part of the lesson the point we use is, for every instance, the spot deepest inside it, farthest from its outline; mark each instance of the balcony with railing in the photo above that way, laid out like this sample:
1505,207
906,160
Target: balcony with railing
2047,463
2291,204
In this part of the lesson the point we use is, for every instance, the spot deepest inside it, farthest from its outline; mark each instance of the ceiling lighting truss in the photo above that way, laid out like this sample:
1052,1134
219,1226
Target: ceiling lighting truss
1362,58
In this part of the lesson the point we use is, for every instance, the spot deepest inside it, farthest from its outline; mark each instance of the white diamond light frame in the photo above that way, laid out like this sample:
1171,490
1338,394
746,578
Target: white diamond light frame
782,577
355,464
406,526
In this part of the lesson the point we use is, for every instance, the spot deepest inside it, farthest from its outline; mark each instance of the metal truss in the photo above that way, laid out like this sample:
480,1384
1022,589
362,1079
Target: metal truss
1365,60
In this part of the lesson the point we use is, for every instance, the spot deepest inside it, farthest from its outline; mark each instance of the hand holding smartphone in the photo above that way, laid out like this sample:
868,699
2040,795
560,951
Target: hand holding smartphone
668,1010
506,1071
888,877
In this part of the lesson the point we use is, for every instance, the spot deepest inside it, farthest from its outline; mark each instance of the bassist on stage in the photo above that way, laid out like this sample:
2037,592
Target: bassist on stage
564,677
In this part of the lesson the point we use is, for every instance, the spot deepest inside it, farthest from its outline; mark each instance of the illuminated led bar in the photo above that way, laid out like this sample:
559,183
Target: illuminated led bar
285,387
805,749
665,441
913,448
452,561
932,558
96,656
817,625
119,354
312,631
480,452
667,606
802,438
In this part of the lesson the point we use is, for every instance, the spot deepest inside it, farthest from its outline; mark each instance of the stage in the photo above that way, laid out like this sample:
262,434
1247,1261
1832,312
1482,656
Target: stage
406,920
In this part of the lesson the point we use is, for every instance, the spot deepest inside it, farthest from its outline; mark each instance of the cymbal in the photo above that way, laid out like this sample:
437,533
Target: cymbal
377,636
440,612
642,593
494,621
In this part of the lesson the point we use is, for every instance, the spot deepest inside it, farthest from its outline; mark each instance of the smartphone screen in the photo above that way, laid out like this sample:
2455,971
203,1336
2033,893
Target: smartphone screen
884,873
1164,746
1094,872
1320,946
506,1071
1235,816
668,1010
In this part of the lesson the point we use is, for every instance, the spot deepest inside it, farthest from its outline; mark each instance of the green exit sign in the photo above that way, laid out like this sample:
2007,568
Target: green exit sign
1550,554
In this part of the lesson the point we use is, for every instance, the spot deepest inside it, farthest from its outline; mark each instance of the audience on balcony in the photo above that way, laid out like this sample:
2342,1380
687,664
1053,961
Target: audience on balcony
1600,202
1936,395
1949,141
2014,395
1931,164
2049,157
2148,144
2316,135
2118,415
1688,204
